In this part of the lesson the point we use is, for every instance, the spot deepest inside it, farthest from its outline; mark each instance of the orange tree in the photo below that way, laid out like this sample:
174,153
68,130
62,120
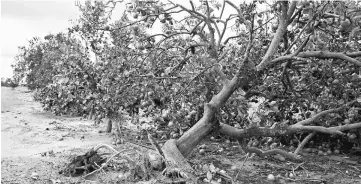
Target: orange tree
211,63
302,57
44,63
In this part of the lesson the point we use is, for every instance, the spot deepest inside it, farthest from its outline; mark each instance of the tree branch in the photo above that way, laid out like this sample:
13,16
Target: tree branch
232,37
277,38
291,9
323,113
224,4
235,7
299,35
319,54
217,68
281,130
304,142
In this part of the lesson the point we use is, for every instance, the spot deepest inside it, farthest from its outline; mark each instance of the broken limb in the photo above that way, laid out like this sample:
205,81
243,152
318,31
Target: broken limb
283,129
304,142
278,131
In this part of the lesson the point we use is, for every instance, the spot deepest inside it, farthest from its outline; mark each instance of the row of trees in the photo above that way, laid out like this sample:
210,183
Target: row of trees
298,61
8,82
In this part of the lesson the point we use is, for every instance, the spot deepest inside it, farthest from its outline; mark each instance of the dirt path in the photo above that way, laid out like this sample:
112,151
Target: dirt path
27,133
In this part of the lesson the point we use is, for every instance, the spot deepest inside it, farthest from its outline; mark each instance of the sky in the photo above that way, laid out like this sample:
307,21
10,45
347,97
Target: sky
22,20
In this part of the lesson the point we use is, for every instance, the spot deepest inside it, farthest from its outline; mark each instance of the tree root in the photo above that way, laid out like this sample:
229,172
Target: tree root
89,163
107,162
83,164
177,170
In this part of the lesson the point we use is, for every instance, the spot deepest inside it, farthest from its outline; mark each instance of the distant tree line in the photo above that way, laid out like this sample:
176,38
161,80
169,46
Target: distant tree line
8,82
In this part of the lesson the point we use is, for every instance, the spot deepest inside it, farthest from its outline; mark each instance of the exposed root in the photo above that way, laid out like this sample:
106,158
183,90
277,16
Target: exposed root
107,162
83,164
105,146
174,175
90,163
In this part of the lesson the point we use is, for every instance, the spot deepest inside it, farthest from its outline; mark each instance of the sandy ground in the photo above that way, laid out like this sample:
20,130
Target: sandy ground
27,133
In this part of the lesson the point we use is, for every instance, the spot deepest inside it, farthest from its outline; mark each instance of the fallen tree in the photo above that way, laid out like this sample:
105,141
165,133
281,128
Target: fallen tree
300,56
208,123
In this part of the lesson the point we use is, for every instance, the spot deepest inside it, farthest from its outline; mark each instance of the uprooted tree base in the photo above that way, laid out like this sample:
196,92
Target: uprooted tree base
177,169
85,163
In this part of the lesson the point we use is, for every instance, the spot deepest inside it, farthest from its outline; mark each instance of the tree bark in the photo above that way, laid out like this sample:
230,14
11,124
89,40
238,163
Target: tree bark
206,124
109,125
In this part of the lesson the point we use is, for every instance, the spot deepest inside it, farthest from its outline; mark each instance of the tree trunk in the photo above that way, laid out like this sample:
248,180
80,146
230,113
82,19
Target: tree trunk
206,124
90,115
182,147
176,150
109,126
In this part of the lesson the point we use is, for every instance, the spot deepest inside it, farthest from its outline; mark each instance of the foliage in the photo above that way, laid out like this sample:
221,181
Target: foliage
170,74
7,82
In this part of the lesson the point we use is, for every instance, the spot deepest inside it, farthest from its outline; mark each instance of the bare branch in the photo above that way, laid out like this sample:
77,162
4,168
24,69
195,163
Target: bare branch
195,27
232,37
298,13
277,38
318,54
302,46
235,7
304,142
291,9
299,35
191,2
194,45
223,31
353,54
194,13
323,113
224,4
180,65
210,28
219,34
169,36
280,130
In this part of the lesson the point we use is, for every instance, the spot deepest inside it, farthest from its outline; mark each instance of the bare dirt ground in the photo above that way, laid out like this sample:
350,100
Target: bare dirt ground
28,134
36,145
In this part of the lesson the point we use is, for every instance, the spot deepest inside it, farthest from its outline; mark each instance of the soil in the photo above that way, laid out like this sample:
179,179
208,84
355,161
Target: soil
36,146
34,141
